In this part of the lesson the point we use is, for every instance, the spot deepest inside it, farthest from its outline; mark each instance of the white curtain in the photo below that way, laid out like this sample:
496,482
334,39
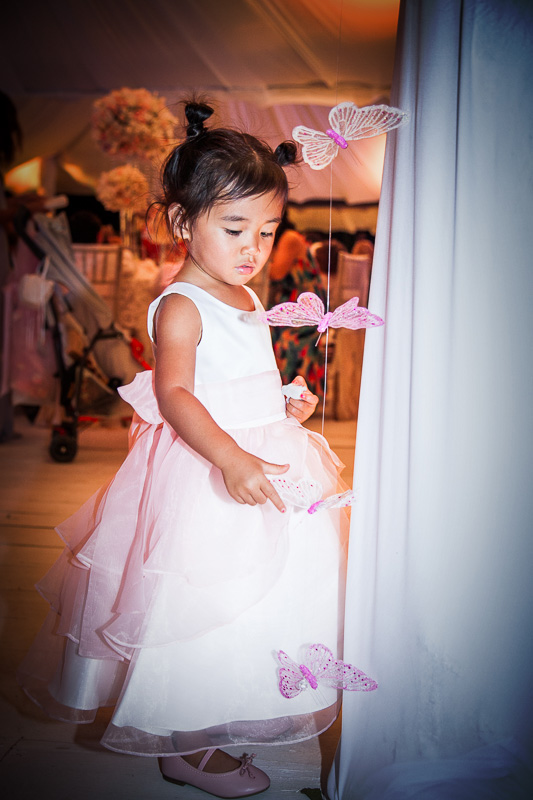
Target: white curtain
440,590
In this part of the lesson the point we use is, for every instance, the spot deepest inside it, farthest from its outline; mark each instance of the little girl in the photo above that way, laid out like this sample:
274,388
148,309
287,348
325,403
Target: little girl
184,576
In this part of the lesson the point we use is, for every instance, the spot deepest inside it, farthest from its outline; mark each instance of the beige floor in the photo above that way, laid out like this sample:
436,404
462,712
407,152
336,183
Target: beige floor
49,760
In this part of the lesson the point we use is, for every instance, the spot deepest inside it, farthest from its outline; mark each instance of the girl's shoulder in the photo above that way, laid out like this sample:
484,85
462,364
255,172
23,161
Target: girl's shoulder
190,290
180,287
203,296
177,288
204,302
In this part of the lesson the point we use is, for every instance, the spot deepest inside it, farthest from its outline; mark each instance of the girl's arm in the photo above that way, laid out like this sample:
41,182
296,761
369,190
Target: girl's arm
178,331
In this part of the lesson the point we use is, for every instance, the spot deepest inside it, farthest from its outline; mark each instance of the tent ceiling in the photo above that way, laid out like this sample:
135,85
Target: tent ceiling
264,60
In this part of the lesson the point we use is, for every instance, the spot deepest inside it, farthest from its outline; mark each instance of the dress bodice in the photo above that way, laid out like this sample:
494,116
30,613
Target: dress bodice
233,344
236,376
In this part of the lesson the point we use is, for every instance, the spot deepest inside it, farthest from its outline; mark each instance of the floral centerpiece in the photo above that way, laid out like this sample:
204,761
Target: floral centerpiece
133,122
123,189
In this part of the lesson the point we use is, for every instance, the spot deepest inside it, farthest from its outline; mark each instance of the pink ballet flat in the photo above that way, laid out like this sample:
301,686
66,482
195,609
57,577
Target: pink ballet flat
243,781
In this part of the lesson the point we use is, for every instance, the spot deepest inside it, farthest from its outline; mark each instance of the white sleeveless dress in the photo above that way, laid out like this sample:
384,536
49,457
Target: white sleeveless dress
170,598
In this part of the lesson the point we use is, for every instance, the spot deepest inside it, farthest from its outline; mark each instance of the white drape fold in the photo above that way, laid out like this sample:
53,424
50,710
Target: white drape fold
440,596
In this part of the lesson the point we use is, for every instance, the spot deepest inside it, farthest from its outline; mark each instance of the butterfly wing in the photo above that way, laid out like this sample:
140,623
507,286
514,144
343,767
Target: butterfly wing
333,501
361,123
347,677
332,672
318,149
308,310
291,681
301,494
339,117
318,658
351,315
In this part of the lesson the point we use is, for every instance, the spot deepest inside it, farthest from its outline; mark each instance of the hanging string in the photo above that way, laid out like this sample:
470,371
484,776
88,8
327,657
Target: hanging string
339,40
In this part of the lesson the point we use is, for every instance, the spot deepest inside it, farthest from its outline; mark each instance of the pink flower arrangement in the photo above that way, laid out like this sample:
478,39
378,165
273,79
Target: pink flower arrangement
133,122
123,189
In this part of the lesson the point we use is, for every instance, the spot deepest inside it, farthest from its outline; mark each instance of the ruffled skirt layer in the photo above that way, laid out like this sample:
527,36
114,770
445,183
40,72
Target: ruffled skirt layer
170,599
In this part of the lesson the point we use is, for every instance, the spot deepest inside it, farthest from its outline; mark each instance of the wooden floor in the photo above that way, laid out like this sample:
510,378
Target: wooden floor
50,760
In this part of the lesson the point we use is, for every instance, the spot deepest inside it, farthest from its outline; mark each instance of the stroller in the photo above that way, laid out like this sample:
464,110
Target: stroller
93,356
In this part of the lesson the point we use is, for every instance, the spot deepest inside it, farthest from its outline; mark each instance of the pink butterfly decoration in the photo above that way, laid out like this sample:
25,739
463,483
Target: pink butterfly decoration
347,123
320,666
309,310
307,494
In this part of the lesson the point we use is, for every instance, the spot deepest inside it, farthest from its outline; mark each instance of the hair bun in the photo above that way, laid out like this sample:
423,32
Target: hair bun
196,114
286,153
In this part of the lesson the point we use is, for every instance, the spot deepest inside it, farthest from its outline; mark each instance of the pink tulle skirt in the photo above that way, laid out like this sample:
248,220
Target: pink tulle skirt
170,599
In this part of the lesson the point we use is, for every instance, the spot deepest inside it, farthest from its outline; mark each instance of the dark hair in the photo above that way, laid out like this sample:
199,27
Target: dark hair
10,132
84,227
220,164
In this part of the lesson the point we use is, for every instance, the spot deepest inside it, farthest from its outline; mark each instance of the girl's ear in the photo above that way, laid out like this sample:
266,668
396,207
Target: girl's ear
179,229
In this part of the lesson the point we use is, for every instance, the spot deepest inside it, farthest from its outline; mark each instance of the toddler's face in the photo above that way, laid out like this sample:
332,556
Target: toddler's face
233,240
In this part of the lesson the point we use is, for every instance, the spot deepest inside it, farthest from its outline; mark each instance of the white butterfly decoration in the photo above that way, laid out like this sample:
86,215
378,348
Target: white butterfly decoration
347,123
309,310
320,666
307,494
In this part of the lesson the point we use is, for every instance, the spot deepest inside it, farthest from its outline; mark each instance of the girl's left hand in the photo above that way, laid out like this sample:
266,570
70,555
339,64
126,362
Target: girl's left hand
302,409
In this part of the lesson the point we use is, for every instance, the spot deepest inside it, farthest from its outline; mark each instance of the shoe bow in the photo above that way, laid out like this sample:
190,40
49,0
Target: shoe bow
246,764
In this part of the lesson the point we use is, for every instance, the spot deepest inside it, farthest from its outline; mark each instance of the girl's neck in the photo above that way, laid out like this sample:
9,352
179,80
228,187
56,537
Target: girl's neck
235,296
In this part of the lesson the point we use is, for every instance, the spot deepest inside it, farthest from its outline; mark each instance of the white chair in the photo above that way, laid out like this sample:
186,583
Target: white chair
101,264
352,280
324,254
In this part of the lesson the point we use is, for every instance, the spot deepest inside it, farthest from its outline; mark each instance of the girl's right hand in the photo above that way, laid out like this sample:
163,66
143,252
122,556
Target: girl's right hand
245,479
